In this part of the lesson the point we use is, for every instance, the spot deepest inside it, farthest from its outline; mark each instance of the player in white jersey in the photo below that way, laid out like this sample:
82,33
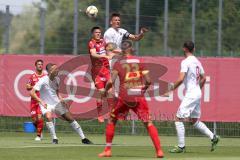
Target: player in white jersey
50,101
115,34
192,75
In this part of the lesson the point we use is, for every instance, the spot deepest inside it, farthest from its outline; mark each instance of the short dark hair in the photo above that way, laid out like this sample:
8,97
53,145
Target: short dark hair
94,28
115,15
49,65
189,45
39,60
126,44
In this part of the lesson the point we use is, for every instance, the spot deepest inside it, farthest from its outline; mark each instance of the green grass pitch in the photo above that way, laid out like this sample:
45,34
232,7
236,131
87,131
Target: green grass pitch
21,146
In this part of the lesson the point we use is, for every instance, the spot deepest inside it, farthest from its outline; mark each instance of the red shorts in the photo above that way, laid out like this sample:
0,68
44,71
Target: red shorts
140,107
101,77
35,110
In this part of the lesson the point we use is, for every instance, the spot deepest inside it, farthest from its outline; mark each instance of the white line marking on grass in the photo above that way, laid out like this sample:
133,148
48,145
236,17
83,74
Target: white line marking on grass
62,145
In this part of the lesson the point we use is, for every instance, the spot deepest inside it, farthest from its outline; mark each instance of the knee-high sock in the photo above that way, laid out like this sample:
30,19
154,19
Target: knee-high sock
39,127
78,129
110,128
203,129
180,133
51,129
152,130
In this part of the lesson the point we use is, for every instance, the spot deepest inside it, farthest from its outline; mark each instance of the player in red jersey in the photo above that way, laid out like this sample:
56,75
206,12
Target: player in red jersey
100,66
134,81
36,113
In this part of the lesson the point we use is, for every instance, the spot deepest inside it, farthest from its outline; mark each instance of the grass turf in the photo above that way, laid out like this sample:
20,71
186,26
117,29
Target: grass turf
21,146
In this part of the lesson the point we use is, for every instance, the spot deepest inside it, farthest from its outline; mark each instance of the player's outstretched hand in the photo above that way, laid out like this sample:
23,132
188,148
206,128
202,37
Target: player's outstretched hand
144,29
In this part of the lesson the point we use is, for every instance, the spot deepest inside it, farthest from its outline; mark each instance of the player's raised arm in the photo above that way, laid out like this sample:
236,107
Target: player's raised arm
139,36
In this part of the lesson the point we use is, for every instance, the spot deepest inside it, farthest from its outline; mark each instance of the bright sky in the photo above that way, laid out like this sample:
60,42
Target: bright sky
16,6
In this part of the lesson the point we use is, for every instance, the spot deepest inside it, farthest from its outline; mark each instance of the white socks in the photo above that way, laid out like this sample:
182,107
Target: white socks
51,129
203,129
77,128
181,133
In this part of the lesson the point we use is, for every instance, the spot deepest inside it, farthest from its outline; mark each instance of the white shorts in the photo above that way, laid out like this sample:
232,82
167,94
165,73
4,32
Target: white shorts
189,108
58,109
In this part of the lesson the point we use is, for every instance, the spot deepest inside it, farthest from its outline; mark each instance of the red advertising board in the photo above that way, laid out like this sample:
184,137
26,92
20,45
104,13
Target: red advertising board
220,98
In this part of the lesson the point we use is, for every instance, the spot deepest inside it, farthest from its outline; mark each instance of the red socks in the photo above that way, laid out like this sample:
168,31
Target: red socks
152,130
109,135
39,127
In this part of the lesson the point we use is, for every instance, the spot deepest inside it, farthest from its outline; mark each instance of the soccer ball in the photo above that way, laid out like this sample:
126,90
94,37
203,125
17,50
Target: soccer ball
92,11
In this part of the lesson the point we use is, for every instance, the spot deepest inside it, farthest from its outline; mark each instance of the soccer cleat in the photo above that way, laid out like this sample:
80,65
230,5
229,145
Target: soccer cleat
86,141
160,154
55,141
100,119
215,141
38,138
105,153
178,149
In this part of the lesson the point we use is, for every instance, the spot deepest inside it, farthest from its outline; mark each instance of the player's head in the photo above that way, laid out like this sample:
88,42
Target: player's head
188,47
39,65
96,33
111,46
115,20
52,69
127,47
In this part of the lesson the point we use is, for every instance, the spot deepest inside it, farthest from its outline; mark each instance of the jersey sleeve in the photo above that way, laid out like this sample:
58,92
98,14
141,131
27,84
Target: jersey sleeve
91,45
107,36
125,33
39,84
184,67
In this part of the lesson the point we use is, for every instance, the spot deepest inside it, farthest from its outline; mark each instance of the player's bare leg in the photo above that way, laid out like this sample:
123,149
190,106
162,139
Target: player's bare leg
74,124
153,133
51,127
110,129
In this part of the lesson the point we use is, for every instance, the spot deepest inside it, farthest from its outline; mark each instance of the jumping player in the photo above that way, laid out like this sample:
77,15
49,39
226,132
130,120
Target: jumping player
115,34
192,75
100,66
134,81
36,113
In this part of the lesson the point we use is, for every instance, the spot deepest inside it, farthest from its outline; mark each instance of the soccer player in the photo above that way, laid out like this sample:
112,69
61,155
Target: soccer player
36,113
115,34
134,81
192,75
50,101
100,66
